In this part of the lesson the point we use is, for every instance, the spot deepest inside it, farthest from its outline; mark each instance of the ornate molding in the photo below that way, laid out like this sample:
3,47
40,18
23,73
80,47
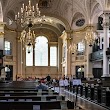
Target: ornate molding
83,29
2,24
2,33
9,62
69,31
53,43
106,12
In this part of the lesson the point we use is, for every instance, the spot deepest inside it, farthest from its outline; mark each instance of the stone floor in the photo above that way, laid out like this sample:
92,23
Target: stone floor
83,103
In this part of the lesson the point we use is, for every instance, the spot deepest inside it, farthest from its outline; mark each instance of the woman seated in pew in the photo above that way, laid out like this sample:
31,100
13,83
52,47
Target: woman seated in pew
41,86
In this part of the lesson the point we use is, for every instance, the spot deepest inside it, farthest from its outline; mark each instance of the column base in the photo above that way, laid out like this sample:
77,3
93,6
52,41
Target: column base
106,77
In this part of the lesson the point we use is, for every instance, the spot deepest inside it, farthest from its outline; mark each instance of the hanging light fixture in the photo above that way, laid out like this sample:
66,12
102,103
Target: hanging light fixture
28,38
28,14
90,35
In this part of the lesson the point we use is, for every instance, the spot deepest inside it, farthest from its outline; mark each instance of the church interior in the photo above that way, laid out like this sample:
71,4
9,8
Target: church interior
63,44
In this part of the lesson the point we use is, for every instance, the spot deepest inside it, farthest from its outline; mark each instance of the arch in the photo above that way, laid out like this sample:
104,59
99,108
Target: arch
62,20
1,12
97,12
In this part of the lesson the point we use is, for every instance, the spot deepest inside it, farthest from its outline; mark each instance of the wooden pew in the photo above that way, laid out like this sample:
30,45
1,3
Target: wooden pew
31,98
24,90
26,105
26,93
19,84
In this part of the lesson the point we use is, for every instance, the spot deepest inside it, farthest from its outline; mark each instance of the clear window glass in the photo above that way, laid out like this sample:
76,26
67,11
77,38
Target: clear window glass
41,51
53,56
81,47
7,48
29,56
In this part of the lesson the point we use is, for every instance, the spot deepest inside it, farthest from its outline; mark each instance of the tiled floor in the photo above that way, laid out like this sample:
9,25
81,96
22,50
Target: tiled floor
85,104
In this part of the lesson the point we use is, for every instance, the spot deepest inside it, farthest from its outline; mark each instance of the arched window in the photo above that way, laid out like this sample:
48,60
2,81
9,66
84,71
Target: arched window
41,51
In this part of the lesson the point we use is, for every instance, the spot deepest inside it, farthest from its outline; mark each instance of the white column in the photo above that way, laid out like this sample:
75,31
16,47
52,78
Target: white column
88,64
68,57
106,44
59,56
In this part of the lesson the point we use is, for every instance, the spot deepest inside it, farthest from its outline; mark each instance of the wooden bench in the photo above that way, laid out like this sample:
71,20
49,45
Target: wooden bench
19,84
31,98
26,93
24,90
28,105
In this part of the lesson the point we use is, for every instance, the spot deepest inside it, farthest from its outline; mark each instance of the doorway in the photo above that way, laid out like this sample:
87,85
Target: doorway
80,72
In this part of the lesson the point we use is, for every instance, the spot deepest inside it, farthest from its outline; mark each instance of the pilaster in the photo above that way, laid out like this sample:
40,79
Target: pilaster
106,44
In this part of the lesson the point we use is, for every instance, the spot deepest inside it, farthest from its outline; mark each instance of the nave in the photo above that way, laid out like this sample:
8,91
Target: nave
23,95
66,39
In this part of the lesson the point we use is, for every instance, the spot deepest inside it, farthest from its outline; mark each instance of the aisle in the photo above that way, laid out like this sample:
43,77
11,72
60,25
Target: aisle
85,104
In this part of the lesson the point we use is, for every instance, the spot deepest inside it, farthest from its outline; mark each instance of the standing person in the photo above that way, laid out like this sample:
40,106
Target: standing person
48,79
7,71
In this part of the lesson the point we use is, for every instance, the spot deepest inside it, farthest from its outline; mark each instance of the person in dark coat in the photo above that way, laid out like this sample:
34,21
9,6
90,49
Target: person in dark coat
48,78
41,86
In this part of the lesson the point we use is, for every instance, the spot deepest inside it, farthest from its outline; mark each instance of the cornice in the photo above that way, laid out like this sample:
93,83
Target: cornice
83,29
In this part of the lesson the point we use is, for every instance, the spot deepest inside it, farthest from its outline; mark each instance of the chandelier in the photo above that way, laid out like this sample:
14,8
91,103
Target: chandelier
28,14
90,36
28,38
27,17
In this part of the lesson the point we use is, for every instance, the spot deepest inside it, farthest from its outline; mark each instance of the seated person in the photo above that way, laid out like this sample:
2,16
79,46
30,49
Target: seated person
42,80
41,86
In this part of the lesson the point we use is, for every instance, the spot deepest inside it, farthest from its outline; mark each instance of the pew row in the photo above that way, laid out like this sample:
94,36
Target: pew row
26,93
28,105
31,98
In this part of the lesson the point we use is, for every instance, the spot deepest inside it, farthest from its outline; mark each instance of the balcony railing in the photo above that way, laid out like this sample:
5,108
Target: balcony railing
98,55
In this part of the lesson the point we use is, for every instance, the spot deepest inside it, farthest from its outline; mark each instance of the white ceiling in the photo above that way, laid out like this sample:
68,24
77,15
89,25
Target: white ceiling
64,12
